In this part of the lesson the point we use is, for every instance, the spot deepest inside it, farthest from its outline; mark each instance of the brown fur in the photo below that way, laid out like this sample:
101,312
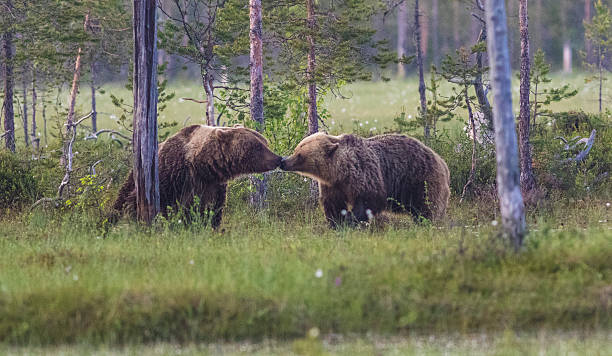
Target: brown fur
393,172
199,161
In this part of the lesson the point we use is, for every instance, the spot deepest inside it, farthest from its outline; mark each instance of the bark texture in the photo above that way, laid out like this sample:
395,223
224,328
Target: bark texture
35,139
508,185
24,112
419,59
313,117
94,112
257,105
435,26
8,110
527,178
146,163
256,63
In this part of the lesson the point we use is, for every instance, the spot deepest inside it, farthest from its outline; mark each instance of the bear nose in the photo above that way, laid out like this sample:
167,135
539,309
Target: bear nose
282,162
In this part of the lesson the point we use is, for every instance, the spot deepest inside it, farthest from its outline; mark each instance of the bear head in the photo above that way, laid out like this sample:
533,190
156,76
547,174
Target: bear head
313,157
247,150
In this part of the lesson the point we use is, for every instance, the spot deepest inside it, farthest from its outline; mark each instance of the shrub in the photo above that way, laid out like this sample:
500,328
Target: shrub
17,184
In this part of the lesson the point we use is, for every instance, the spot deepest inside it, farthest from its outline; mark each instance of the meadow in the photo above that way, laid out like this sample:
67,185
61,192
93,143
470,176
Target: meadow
279,281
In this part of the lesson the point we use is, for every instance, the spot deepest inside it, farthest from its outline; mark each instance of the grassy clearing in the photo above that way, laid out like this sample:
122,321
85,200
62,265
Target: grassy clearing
373,104
506,343
60,281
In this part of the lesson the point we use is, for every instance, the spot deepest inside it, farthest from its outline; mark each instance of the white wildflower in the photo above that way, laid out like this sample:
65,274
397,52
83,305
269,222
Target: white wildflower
75,277
314,333
607,205
360,124
494,222
369,214
343,212
191,262
319,273
181,100
113,117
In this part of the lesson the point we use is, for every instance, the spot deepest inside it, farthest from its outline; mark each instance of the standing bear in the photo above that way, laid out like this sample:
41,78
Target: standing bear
199,161
366,176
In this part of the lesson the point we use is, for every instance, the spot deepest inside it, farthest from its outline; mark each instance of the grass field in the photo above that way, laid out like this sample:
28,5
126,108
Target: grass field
373,104
274,276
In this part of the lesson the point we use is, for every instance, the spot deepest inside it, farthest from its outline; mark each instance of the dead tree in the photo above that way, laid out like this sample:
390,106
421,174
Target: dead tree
35,140
8,111
527,178
94,115
313,117
508,185
73,93
402,12
24,110
146,163
257,105
419,60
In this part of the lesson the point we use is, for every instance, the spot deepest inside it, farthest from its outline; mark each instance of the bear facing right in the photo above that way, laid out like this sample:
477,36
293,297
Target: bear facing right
366,176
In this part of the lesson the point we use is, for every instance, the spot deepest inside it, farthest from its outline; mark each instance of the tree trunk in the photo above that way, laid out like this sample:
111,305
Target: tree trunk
94,112
8,111
44,116
35,139
313,117
257,105
588,46
402,29
527,177
470,180
483,101
24,112
209,89
435,39
256,63
146,163
600,55
419,59
508,185
567,57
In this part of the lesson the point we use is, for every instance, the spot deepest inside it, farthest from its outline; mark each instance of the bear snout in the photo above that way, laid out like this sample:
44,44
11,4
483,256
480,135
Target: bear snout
283,163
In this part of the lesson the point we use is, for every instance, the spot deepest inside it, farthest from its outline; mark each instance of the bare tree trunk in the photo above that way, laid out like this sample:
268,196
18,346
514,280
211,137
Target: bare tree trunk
588,46
419,59
483,101
567,56
35,139
24,113
146,163
600,55
527,177
435,27
67,156
94,112
257,104
209,89
508,185
470,180
8,111
313,117
402,29
44,116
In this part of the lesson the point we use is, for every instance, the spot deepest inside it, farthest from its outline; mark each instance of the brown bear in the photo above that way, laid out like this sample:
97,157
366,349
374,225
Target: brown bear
366,176
199,161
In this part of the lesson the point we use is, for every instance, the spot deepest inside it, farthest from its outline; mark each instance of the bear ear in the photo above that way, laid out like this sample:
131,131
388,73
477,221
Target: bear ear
331,149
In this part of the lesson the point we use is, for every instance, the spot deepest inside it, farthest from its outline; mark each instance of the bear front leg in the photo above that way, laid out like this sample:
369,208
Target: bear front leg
219,203
366,207
334,206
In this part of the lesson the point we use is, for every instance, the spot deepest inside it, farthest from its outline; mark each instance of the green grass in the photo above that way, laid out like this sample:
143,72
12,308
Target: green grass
62,282
506,343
